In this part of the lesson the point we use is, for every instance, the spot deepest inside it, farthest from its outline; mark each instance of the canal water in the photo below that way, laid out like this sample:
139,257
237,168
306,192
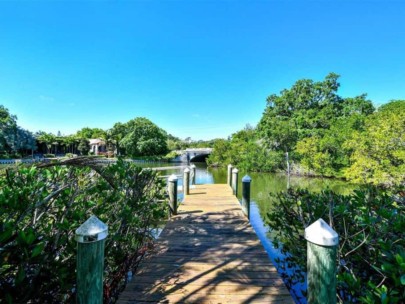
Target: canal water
261,186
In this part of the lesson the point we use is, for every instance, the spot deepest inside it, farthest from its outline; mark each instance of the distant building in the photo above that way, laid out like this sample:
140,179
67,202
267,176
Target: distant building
97,145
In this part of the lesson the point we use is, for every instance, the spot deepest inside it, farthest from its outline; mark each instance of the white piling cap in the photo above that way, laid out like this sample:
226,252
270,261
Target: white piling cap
230,166
192,166
321,233
234,170
246,179
187,170
173,178
92,230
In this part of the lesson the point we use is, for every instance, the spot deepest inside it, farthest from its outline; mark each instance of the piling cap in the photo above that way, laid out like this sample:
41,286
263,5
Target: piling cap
246,179
186,170
192,166
173,178
230,166
321,233
234,170
92,230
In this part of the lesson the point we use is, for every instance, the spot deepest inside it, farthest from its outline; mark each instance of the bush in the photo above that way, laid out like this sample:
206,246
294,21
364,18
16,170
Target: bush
10,156
69,155
40,208
371,228
49,155
171,155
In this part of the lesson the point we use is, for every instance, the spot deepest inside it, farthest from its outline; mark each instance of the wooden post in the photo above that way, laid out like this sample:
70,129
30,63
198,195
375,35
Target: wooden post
235,181
246,194
90,237
288,170
186,182
322,243
229,179
193,171
173,193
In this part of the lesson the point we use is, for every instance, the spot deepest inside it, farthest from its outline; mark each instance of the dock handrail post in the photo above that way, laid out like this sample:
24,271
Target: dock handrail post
90,238
229,179
322,245
173,193
246,180
193,171
235,181
186,181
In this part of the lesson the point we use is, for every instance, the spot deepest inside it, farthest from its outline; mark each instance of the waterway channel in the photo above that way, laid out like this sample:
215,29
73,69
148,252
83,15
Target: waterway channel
261,186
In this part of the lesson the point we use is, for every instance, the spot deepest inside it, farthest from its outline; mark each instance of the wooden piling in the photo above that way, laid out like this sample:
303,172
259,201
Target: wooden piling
235,181
186,182
172,185
322,243
192,173
229,177
246,180
90,237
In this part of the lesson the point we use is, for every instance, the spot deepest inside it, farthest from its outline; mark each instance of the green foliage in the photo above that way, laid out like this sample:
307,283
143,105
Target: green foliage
220,154
46,138
304,110
84,146
334,136
40,208
49,155
378,152
371,228
14,139
91,133
246,152
171,155
328,155
143,138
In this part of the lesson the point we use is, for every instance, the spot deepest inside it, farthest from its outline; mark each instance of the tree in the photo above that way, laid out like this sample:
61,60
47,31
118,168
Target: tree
46,138
378,155
8,125
307,109
359,105
84,146
245,151
327,155
90,133
220,154
143,138
117,133
173,143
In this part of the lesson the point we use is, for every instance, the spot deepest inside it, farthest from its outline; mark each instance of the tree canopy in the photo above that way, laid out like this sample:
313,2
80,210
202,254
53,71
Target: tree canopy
304,110
13,138
141,137
325,133
378,151
89,133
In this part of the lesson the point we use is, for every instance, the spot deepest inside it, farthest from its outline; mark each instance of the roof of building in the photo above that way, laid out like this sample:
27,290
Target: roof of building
97,141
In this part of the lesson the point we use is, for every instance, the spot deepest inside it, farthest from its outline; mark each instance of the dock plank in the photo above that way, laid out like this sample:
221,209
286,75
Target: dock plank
208,253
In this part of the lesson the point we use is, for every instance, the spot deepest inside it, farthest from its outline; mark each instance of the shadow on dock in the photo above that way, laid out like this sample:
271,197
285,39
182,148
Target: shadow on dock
208,255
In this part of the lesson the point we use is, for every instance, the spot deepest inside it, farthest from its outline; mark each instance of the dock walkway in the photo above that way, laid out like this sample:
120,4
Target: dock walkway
208,253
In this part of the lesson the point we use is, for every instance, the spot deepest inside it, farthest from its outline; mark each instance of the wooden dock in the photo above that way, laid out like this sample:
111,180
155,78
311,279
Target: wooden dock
208,253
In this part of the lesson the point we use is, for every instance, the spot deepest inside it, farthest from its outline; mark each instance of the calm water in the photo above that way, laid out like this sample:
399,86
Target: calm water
263,184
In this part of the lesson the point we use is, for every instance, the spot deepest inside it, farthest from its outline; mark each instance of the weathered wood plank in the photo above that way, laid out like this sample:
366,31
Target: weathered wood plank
208,253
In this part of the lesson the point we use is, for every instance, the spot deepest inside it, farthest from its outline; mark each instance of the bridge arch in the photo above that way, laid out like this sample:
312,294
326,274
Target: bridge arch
199,158
196,154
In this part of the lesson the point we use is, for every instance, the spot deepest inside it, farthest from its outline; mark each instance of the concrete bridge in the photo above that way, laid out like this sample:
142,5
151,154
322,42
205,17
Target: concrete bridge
193,155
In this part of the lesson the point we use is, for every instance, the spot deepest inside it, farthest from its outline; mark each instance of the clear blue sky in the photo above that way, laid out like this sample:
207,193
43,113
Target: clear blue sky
195,68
